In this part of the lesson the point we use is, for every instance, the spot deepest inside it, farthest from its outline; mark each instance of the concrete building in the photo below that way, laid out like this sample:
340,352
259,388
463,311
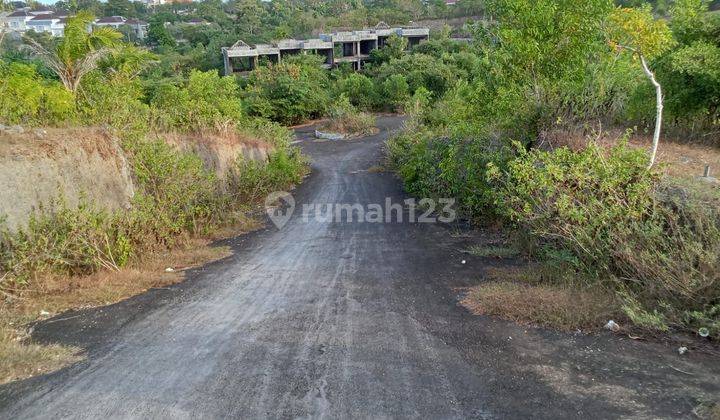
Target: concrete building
48,23
352,47
114,22
17,20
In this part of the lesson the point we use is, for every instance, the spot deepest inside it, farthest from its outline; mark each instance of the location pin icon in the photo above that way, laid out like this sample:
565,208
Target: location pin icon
279,206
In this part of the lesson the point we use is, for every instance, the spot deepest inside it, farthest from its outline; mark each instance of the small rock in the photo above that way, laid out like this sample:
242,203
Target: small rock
612,326
44,313
40,132
169,270
462,262
682,350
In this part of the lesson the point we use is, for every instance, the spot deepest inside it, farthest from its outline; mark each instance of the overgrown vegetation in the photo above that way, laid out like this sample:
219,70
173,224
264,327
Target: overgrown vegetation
344,118
594,214
83,255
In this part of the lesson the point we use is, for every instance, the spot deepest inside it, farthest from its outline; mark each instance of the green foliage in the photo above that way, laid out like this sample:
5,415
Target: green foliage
207,101
176,198
344,118
289,92
255,180
68,241
359,88
25,98
116,101
393,49
395,91
638,30
604,215
179,196
421,71
159,35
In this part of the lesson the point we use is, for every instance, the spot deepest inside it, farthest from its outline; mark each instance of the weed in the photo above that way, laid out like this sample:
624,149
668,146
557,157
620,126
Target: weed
559,307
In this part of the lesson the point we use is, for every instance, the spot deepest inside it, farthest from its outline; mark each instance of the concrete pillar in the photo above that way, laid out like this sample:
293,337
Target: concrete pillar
228,65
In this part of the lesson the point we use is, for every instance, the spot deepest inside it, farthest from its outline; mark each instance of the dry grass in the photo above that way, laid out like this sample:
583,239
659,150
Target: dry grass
517,294
20,360
676,157
49,295
351,124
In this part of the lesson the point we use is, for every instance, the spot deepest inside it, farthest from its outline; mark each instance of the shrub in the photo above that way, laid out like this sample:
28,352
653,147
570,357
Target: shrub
116,101
28,99
176,198
178,195
395,91
290,92
433,164
253,180
603,215
345,118
206,101
359,89
68,241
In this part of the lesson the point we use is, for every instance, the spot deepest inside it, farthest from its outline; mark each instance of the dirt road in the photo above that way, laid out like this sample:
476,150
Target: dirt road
343,320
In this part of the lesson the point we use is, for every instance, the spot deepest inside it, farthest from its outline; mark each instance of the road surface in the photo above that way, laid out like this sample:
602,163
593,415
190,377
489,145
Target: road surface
339,320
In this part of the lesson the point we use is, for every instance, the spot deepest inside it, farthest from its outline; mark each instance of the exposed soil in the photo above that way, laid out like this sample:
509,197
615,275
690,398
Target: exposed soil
346,320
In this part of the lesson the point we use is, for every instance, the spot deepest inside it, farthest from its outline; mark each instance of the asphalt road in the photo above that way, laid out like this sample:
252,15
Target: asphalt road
342,320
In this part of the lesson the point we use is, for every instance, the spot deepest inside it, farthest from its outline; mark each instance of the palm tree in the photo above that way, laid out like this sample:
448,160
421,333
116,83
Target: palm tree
79,51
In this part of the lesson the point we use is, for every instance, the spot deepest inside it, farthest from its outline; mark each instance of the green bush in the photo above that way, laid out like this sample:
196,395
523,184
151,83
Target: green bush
25,98
290,92
176,198
115,101
602,215
206,101
253,180
359,89
68,241
395,91
344,118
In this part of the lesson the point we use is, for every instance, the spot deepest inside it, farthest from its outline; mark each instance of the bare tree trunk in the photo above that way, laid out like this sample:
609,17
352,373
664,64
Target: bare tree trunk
659,108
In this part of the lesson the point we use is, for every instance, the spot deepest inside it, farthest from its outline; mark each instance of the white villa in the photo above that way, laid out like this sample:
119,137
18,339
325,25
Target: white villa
47,21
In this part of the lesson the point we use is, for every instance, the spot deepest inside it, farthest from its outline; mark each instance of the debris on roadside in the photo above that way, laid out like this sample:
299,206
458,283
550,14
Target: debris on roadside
328,136
169,270
612,326
682,350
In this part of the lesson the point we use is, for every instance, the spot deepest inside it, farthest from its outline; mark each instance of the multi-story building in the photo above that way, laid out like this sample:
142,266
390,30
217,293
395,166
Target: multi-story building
17,20
48,23
116,22
352,47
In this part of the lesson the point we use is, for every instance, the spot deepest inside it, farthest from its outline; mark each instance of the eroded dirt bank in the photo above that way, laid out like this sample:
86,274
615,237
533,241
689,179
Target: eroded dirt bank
346,320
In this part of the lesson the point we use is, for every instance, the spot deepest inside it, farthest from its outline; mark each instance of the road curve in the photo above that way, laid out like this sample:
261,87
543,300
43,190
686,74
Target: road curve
341,320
